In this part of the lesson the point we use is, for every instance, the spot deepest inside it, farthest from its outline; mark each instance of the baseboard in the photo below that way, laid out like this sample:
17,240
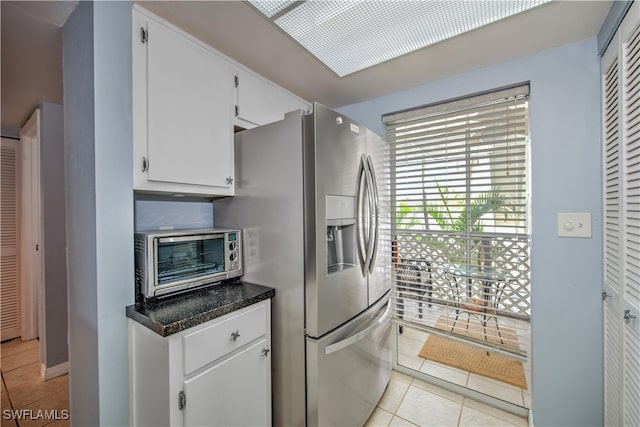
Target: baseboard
54,371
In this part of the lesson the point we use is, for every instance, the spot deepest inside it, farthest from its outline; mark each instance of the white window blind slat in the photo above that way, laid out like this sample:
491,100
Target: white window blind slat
456,105
453,124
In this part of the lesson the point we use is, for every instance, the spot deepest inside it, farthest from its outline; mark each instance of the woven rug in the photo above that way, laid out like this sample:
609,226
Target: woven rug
472,359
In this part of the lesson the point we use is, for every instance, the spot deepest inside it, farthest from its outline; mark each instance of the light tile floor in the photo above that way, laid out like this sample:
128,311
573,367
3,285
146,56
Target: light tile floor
408,401
24,390
407,356
411,341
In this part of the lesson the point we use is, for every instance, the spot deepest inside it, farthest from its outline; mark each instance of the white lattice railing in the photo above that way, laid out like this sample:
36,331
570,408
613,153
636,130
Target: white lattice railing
505,252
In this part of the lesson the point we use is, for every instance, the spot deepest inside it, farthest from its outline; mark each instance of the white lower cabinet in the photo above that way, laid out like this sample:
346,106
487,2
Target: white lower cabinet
238,384
214,374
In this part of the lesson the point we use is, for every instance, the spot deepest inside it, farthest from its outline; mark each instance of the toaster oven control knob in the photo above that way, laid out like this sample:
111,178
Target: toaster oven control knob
232,246
233,256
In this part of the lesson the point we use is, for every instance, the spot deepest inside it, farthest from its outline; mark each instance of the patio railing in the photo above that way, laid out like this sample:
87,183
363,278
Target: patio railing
509,253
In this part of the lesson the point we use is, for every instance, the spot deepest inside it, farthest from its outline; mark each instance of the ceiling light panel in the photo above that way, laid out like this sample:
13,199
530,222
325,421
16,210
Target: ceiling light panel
349,36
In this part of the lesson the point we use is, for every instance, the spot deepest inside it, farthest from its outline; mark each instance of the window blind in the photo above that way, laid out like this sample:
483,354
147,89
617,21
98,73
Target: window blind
461,198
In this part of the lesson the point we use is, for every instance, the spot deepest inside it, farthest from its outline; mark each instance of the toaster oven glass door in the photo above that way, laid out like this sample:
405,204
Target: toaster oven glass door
189,258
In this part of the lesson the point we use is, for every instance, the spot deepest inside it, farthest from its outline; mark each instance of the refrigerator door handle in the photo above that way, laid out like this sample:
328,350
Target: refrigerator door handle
372,217
360,335
359,215
376,231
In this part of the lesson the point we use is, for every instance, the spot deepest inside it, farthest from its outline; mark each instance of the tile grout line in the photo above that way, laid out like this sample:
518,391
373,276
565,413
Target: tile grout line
462,405
395,411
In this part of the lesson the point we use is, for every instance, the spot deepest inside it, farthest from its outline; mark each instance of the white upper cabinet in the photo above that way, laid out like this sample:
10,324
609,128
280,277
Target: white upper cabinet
259,102
187,97
182,113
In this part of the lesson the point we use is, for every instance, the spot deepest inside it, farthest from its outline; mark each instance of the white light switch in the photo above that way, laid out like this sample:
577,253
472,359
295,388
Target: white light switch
574,224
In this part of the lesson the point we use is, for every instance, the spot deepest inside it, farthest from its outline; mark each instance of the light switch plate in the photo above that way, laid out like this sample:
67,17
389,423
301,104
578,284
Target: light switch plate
574,224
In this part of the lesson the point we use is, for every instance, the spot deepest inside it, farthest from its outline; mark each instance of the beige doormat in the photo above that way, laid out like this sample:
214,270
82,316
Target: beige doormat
472,359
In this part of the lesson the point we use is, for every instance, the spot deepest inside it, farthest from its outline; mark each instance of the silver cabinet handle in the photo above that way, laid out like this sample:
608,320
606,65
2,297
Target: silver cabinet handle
628,317
235,335
265,351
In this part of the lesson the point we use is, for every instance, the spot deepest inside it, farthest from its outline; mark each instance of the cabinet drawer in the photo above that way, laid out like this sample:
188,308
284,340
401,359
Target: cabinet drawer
209,344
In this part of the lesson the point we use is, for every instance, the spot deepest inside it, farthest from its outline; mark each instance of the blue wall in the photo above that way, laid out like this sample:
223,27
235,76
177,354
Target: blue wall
77,57
99,187
162,213
565,177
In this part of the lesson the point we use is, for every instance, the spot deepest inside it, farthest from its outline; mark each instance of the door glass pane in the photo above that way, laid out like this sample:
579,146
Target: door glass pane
461,245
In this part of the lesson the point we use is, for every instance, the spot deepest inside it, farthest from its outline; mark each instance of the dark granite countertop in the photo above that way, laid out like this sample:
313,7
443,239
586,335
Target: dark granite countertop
175,314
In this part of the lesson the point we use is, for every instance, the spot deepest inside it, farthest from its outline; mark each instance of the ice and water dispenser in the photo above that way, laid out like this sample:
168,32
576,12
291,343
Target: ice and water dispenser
341,233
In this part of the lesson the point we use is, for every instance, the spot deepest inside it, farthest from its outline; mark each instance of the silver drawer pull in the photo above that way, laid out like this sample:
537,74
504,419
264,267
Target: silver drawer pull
265,351
235,335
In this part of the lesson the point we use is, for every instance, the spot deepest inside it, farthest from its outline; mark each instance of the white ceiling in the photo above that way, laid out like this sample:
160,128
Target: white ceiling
32,70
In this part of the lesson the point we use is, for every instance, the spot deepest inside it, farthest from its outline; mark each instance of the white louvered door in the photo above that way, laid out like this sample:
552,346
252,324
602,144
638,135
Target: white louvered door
631,225
621,205
9,253
612,251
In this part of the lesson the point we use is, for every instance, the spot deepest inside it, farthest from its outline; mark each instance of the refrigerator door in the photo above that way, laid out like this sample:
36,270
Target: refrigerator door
336,285
349,369
268,207
380,266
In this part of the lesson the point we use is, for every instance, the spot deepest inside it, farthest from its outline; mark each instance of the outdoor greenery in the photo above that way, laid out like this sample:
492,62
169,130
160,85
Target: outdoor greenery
453,215
404,216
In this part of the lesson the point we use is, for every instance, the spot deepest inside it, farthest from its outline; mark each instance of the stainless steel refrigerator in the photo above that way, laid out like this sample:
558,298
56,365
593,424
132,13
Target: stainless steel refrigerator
312,198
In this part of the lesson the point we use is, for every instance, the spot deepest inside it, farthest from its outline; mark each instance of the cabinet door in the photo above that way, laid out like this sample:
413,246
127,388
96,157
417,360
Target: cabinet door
236,392
258,101
188,111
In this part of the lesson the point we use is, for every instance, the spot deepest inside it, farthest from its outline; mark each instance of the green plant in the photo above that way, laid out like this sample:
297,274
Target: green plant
457,214
405,216
453,215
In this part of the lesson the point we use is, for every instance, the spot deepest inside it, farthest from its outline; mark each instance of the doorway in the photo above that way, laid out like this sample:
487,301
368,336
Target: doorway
20,232
460,191
30,230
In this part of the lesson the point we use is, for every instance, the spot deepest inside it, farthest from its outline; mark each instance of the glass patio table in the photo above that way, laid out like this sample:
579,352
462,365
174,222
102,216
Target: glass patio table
493,281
